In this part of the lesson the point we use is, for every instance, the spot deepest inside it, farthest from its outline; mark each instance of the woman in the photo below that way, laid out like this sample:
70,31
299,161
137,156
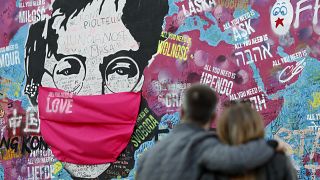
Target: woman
239,124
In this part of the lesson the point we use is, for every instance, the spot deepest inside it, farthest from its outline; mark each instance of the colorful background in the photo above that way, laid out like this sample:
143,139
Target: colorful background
261,50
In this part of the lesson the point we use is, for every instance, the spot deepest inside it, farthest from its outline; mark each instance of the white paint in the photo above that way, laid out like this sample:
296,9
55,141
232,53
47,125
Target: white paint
292,71
85,171
59,105
282,9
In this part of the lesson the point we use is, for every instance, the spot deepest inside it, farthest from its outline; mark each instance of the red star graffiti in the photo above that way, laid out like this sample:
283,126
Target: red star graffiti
279,21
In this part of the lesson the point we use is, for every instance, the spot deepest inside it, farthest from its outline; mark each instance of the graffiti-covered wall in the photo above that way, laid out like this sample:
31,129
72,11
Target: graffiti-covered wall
266,51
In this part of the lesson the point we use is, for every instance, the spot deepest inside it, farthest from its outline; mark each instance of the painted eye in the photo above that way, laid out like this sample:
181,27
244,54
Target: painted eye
69,74
122,66
65,72
122,71
283,10
68,66
122,74
276,11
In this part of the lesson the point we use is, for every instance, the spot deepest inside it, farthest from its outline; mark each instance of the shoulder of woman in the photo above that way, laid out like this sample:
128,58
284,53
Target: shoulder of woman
280,167
278,161
280,156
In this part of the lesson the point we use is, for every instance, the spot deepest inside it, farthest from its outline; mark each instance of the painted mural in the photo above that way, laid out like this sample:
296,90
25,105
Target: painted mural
267,51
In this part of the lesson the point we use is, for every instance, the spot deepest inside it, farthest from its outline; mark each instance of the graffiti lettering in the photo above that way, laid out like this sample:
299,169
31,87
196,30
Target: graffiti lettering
290,58
144,130
313,117
92,23
291,71
197,6
31,16
26,143
220,85
176,37
32,3
32,123
10,143
174,99
9,59
256,40
221,72
252,59
259,102
59,105
245,29
173,50
300,9
233,3
41,156
40,172
15,122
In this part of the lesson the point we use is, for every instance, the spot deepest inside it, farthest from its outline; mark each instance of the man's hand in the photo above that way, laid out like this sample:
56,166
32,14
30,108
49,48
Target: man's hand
281,147
277,145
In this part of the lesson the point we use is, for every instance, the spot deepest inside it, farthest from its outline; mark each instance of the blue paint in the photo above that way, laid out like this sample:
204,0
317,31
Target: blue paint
16,73
137,154
174,119
212,35
17,3
257,77
1,172
239,11
173,8
293,115
62,174
280,51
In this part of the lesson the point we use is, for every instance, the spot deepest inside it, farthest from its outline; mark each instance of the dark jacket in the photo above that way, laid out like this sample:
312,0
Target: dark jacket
188,149
278,167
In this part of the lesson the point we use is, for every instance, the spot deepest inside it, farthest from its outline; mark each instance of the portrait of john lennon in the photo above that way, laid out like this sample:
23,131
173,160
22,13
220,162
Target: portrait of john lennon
93,47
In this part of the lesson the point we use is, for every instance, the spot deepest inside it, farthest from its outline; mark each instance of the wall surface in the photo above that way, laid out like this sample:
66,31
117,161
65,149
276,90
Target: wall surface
266,51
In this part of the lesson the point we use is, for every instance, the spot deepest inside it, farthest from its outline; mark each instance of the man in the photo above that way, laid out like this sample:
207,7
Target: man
191,149
93,47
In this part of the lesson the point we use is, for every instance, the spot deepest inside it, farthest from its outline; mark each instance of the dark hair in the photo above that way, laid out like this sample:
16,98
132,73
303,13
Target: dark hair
236,102
199,103
143,19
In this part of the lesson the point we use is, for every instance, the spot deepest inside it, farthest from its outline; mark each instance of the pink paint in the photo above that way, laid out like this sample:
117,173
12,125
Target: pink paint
98,129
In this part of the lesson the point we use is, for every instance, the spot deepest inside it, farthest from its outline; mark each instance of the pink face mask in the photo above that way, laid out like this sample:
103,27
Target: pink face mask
87,129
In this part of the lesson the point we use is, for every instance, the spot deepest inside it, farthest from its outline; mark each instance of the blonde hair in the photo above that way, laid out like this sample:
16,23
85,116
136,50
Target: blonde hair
239,124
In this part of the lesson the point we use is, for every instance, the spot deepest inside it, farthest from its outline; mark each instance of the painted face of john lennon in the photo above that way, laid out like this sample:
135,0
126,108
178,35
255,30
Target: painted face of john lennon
81,47
93,47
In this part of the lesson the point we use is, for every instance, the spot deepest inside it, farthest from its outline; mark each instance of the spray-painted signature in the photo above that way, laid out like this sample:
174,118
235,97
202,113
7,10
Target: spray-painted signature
290,71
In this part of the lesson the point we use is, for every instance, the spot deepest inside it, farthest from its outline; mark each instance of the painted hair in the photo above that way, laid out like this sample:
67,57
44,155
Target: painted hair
143,19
